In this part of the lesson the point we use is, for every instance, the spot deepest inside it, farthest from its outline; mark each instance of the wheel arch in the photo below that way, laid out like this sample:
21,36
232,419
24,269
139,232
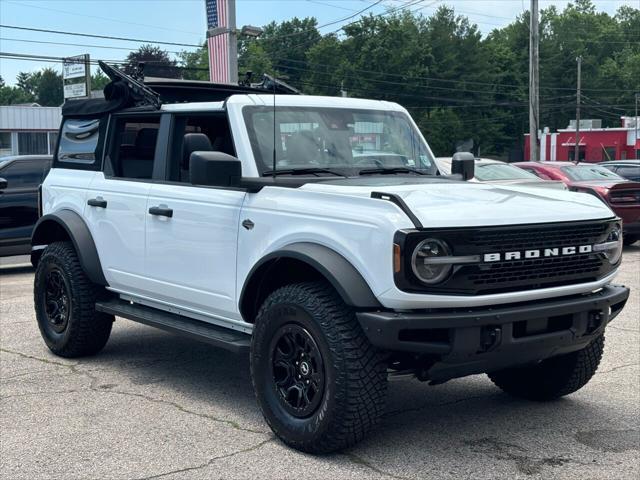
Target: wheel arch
300,262
67,225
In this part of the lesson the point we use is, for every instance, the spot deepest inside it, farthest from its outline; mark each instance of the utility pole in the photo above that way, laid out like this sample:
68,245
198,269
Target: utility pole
534,87
636,147
577,154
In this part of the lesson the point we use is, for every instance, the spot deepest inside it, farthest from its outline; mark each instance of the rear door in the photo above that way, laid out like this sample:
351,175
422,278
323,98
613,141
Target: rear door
191,241
117,198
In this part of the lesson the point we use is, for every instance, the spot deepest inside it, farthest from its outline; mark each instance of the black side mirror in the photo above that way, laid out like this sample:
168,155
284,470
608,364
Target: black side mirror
3,183
214,169
463,163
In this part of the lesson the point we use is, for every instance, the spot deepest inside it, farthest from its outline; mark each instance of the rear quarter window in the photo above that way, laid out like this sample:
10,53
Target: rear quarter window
79,144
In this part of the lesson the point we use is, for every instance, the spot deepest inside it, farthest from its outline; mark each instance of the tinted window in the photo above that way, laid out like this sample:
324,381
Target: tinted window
33,143
631,172
5,144
498,171
593,172
78,141
134,146
25,173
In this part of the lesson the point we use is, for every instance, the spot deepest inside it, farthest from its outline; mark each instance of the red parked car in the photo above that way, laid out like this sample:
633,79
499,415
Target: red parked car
622,195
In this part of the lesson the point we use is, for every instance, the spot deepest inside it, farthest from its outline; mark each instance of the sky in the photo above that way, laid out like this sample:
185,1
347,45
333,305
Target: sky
184,21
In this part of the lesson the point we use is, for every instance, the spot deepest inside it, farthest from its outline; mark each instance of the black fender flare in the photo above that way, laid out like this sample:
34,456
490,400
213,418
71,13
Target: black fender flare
47,230
336,269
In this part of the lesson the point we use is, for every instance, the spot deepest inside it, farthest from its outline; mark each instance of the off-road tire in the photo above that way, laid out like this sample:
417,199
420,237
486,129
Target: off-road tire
552,378
354,396
85,331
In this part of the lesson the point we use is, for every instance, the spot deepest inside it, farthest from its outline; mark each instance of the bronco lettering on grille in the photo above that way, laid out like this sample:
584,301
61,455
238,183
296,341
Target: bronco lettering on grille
537,253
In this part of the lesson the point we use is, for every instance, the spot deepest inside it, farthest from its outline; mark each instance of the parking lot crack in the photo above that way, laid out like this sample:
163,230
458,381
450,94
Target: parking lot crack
613,369
39,359
209,462
395,413
361,461
179,407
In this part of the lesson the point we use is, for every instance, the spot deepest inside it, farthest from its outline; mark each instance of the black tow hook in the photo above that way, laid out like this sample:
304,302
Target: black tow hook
490,338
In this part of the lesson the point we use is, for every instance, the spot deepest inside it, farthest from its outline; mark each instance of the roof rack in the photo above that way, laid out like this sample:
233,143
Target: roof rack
130,91
180,91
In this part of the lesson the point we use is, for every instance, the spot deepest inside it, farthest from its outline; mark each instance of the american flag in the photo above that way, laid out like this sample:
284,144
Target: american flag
218,16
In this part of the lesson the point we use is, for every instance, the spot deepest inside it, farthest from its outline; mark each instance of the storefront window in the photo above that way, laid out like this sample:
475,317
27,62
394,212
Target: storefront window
5,144
53,138
33,143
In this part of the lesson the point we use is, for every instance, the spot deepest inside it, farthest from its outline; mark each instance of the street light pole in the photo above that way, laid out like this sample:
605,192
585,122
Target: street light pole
534,94
578,93
635,140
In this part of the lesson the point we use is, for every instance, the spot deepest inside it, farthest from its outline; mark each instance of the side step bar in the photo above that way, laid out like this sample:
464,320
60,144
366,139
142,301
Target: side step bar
228,339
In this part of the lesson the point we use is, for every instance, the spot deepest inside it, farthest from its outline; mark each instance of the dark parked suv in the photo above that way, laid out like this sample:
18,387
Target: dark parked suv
20,177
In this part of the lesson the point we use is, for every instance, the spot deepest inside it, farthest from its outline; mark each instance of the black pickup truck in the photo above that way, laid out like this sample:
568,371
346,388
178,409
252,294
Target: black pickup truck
20,177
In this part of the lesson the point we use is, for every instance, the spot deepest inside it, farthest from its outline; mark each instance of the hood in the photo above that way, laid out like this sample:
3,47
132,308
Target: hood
609,184
540,183
465,204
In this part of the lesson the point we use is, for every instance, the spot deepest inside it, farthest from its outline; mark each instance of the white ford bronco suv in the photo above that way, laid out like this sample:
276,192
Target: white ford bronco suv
315,235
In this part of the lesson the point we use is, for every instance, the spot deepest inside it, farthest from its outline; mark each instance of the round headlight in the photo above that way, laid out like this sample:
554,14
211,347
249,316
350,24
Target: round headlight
614,253
425,262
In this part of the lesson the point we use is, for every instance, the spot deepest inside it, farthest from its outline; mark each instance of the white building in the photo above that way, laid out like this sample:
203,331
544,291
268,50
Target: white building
28,129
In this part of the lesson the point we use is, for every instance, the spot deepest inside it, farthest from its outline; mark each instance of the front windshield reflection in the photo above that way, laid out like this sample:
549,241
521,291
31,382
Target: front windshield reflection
342,140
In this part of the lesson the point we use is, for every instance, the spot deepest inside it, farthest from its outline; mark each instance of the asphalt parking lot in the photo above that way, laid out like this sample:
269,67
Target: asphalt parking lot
153,405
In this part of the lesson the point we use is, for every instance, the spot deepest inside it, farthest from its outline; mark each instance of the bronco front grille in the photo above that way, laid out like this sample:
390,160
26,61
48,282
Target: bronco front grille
515,275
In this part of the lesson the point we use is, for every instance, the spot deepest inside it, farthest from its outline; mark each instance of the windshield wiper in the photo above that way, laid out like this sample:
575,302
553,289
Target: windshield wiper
390,171
301,171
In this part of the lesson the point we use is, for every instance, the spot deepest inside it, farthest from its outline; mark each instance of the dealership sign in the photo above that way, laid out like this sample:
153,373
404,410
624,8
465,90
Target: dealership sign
75,90
76,76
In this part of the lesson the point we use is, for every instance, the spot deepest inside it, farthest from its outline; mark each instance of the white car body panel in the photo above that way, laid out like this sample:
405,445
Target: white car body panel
189,257
119,230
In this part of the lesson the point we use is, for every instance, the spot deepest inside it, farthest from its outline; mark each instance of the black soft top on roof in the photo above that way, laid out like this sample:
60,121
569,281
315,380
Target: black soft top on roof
125,91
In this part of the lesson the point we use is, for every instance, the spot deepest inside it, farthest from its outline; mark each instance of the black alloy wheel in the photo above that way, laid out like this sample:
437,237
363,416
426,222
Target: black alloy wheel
297,369
57,303
320,384
64,299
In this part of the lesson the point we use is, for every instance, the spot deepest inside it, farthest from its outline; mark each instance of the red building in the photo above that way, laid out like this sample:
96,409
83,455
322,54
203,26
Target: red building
596,144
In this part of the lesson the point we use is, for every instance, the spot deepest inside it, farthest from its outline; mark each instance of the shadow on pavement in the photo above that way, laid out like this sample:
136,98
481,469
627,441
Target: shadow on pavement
469,414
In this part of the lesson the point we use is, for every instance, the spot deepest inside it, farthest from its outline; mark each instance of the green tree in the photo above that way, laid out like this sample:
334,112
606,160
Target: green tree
157,62
13,95
195,64
99,80
283,49
50,88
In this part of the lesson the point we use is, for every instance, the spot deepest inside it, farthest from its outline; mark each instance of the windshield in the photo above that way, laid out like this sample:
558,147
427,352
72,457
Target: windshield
501,171
341,140
590,172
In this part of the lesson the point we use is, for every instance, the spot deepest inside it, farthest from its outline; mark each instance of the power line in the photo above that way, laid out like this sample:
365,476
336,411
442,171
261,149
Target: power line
75,44
108,37
39,7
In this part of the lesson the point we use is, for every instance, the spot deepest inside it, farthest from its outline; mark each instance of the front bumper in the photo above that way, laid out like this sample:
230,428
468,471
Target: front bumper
467,341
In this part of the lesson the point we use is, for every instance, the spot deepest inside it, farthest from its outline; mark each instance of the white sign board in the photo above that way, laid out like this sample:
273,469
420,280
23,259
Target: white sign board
73,67
75,90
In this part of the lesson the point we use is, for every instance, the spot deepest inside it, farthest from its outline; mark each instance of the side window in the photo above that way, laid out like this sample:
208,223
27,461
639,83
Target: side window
24,173
197,133
78,142
133,146
631,172
33,143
